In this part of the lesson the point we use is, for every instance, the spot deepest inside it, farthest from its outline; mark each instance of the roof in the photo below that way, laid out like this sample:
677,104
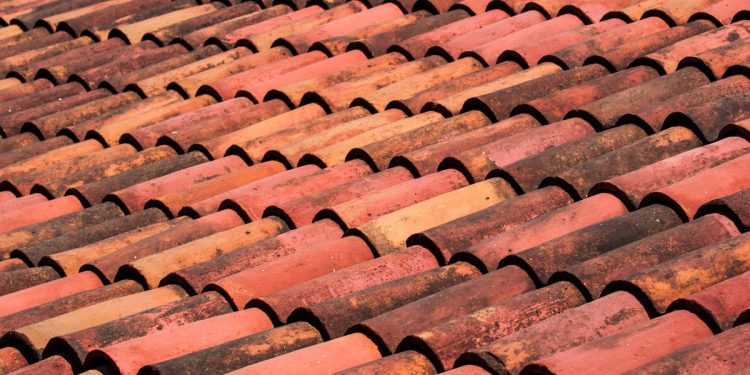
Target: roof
367,187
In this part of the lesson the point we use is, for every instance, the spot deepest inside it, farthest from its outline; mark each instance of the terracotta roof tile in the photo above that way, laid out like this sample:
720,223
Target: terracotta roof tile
572,327
594,274
654,338
717,354
369,187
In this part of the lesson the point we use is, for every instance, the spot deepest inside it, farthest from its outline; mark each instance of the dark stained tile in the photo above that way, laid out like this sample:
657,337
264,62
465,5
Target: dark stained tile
632,347
57,227
633,186
622,56
108,265
572,327
68,262
93,193
734,206
595,274
278,305
219,30
32,253
660,285
488,253
153,268
445,342
579,179
526,174
334,316
653,116
710,118
76,346
15,281
544,260
389,328
241,352
452,237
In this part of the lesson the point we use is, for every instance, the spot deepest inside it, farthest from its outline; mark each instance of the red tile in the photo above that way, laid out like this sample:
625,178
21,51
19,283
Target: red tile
48,292
720,354
253,142
620,57
628,349
598,240
660,285
326,358
108,265
633,186
196,277
479,162
333,317
417,46
301,42
306,264
170,203
39,212
211,204
367,274
579,179
134,197
720,13
668,58
492,51
689,194
571,328
301,211
230,39
578,215
129,356
423,29
254,348
481,29
452,237
219,30
445,342
720,305
595,274
389,328
253,205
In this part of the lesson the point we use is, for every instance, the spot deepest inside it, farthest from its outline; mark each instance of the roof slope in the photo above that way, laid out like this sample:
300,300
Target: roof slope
367,187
